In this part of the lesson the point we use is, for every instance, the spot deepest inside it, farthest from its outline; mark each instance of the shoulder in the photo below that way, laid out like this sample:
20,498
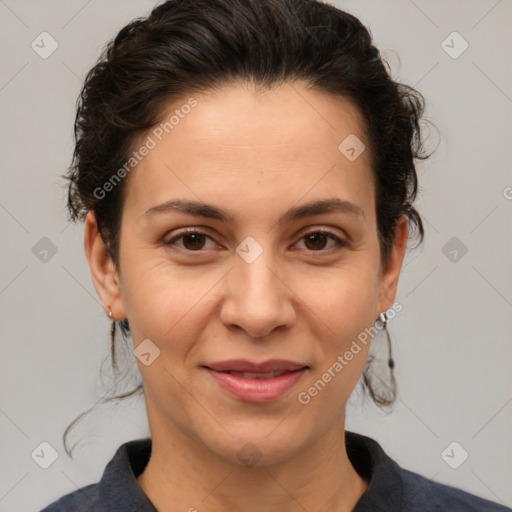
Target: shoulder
84,499
117,489
392,487
417,489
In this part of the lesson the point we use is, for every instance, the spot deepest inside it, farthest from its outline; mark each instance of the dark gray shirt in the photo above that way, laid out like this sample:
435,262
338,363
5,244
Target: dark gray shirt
391,488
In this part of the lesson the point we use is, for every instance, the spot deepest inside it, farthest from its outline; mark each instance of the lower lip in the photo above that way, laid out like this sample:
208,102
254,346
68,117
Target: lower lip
257,390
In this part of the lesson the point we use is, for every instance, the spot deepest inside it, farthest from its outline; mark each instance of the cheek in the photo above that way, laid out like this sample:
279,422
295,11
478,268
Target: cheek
159,297
343,301
341,314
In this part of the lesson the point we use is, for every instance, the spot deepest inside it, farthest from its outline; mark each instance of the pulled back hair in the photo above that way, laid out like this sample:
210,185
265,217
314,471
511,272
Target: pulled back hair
185,47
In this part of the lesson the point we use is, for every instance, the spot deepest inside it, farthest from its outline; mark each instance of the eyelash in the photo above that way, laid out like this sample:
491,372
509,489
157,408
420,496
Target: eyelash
340,243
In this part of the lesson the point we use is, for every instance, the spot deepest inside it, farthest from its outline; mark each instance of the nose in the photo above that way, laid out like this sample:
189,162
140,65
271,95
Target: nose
257,298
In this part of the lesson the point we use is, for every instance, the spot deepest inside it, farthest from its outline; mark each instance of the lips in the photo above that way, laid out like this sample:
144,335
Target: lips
245,366
257,375
256,382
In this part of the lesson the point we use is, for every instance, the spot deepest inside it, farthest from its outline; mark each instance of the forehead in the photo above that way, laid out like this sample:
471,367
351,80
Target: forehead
260,145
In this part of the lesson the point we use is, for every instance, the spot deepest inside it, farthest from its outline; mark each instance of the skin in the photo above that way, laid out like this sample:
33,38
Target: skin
256,155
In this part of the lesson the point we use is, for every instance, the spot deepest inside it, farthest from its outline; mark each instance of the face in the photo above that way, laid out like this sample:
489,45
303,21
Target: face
255,275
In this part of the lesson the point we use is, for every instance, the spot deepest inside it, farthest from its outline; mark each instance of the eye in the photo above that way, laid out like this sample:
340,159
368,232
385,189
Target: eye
191,240
317,240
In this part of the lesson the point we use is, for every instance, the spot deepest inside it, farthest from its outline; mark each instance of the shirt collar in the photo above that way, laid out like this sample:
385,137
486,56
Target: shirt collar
384,491
118,488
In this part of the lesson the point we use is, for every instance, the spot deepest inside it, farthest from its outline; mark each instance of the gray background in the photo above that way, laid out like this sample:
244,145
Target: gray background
452,338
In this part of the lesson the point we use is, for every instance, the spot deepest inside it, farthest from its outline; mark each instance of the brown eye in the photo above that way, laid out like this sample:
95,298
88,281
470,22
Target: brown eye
317,241
191,241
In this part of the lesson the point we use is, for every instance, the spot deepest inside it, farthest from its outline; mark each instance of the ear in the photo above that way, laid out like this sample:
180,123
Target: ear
102,268
391,272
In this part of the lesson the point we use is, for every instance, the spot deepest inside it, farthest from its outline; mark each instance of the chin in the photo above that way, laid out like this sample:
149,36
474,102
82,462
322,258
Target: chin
264,447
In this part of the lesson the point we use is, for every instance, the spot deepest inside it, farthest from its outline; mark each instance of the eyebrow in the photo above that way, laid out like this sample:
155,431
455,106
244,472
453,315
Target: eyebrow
200,209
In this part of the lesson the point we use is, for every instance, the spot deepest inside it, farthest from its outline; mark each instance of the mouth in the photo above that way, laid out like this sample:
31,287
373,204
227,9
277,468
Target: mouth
246,366
253,375
256,382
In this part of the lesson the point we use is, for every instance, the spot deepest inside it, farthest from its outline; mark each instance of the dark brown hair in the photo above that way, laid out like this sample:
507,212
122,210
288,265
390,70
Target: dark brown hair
186,47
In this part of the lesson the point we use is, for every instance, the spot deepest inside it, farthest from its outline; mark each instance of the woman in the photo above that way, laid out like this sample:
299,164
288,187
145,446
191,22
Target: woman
245,170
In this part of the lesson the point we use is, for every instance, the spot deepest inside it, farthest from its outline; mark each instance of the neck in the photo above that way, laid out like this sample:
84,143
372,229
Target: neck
183,475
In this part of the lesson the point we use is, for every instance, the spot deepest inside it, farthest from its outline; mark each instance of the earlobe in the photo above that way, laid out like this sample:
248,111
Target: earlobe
102,268
391,272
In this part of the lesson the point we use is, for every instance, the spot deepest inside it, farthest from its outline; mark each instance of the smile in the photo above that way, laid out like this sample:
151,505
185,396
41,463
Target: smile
256,386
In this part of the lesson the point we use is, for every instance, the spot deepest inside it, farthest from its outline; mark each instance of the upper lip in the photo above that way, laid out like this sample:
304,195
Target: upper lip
243,365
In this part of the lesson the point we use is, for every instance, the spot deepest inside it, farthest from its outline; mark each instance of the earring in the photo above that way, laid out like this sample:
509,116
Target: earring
110,314
383,317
